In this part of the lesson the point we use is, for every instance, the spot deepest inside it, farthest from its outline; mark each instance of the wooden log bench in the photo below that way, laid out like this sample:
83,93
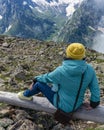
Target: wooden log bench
42,104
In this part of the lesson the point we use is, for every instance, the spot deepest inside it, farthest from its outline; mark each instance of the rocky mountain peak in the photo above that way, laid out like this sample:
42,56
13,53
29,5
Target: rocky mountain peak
21,60
24,18
84,25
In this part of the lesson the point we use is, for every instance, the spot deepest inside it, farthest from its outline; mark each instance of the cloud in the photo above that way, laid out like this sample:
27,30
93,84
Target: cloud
98,40
99,3
99,43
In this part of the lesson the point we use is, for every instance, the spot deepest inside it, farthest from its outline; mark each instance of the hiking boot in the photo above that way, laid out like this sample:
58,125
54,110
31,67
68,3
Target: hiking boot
22,97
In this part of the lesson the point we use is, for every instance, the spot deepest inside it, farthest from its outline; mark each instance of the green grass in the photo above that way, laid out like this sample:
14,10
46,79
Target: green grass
99,60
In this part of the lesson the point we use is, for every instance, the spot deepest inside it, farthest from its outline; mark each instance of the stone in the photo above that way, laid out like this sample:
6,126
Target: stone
5,122
5,44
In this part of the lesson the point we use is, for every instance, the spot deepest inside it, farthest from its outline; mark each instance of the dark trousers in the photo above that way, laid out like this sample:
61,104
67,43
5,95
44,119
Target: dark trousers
40,87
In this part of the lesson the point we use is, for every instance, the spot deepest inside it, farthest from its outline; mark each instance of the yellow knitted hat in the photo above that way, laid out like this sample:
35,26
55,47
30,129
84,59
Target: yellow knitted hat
75,51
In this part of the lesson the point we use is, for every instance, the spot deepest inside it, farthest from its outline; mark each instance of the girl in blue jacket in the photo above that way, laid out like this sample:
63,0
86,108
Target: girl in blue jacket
64,82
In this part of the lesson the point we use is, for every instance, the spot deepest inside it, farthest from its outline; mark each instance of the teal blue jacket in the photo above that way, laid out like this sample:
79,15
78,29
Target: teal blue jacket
66,80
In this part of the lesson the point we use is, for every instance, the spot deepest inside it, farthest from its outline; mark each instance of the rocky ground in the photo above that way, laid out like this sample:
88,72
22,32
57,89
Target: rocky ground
20,61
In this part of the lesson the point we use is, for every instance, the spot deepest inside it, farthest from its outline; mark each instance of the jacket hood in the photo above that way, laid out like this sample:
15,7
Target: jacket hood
74,67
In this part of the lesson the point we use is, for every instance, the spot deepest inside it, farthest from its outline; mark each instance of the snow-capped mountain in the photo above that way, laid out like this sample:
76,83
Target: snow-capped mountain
35,18
85,26
68,5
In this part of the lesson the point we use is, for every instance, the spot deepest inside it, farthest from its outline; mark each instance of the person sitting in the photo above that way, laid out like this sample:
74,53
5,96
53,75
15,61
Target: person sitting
65,81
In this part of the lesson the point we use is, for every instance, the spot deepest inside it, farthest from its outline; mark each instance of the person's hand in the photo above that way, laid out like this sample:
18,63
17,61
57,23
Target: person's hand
31,86
87,106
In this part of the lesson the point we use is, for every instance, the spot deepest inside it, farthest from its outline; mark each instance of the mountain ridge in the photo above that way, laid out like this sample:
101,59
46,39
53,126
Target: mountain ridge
32,18
21,60
84,26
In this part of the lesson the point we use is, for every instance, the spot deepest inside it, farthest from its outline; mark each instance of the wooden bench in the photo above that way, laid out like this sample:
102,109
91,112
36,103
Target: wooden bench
42,104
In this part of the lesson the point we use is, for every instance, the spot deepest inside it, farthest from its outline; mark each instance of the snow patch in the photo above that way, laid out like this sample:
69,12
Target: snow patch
1,17
38,9
7,29
70,4
24,3
54,3
42,2
70,9
31,7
